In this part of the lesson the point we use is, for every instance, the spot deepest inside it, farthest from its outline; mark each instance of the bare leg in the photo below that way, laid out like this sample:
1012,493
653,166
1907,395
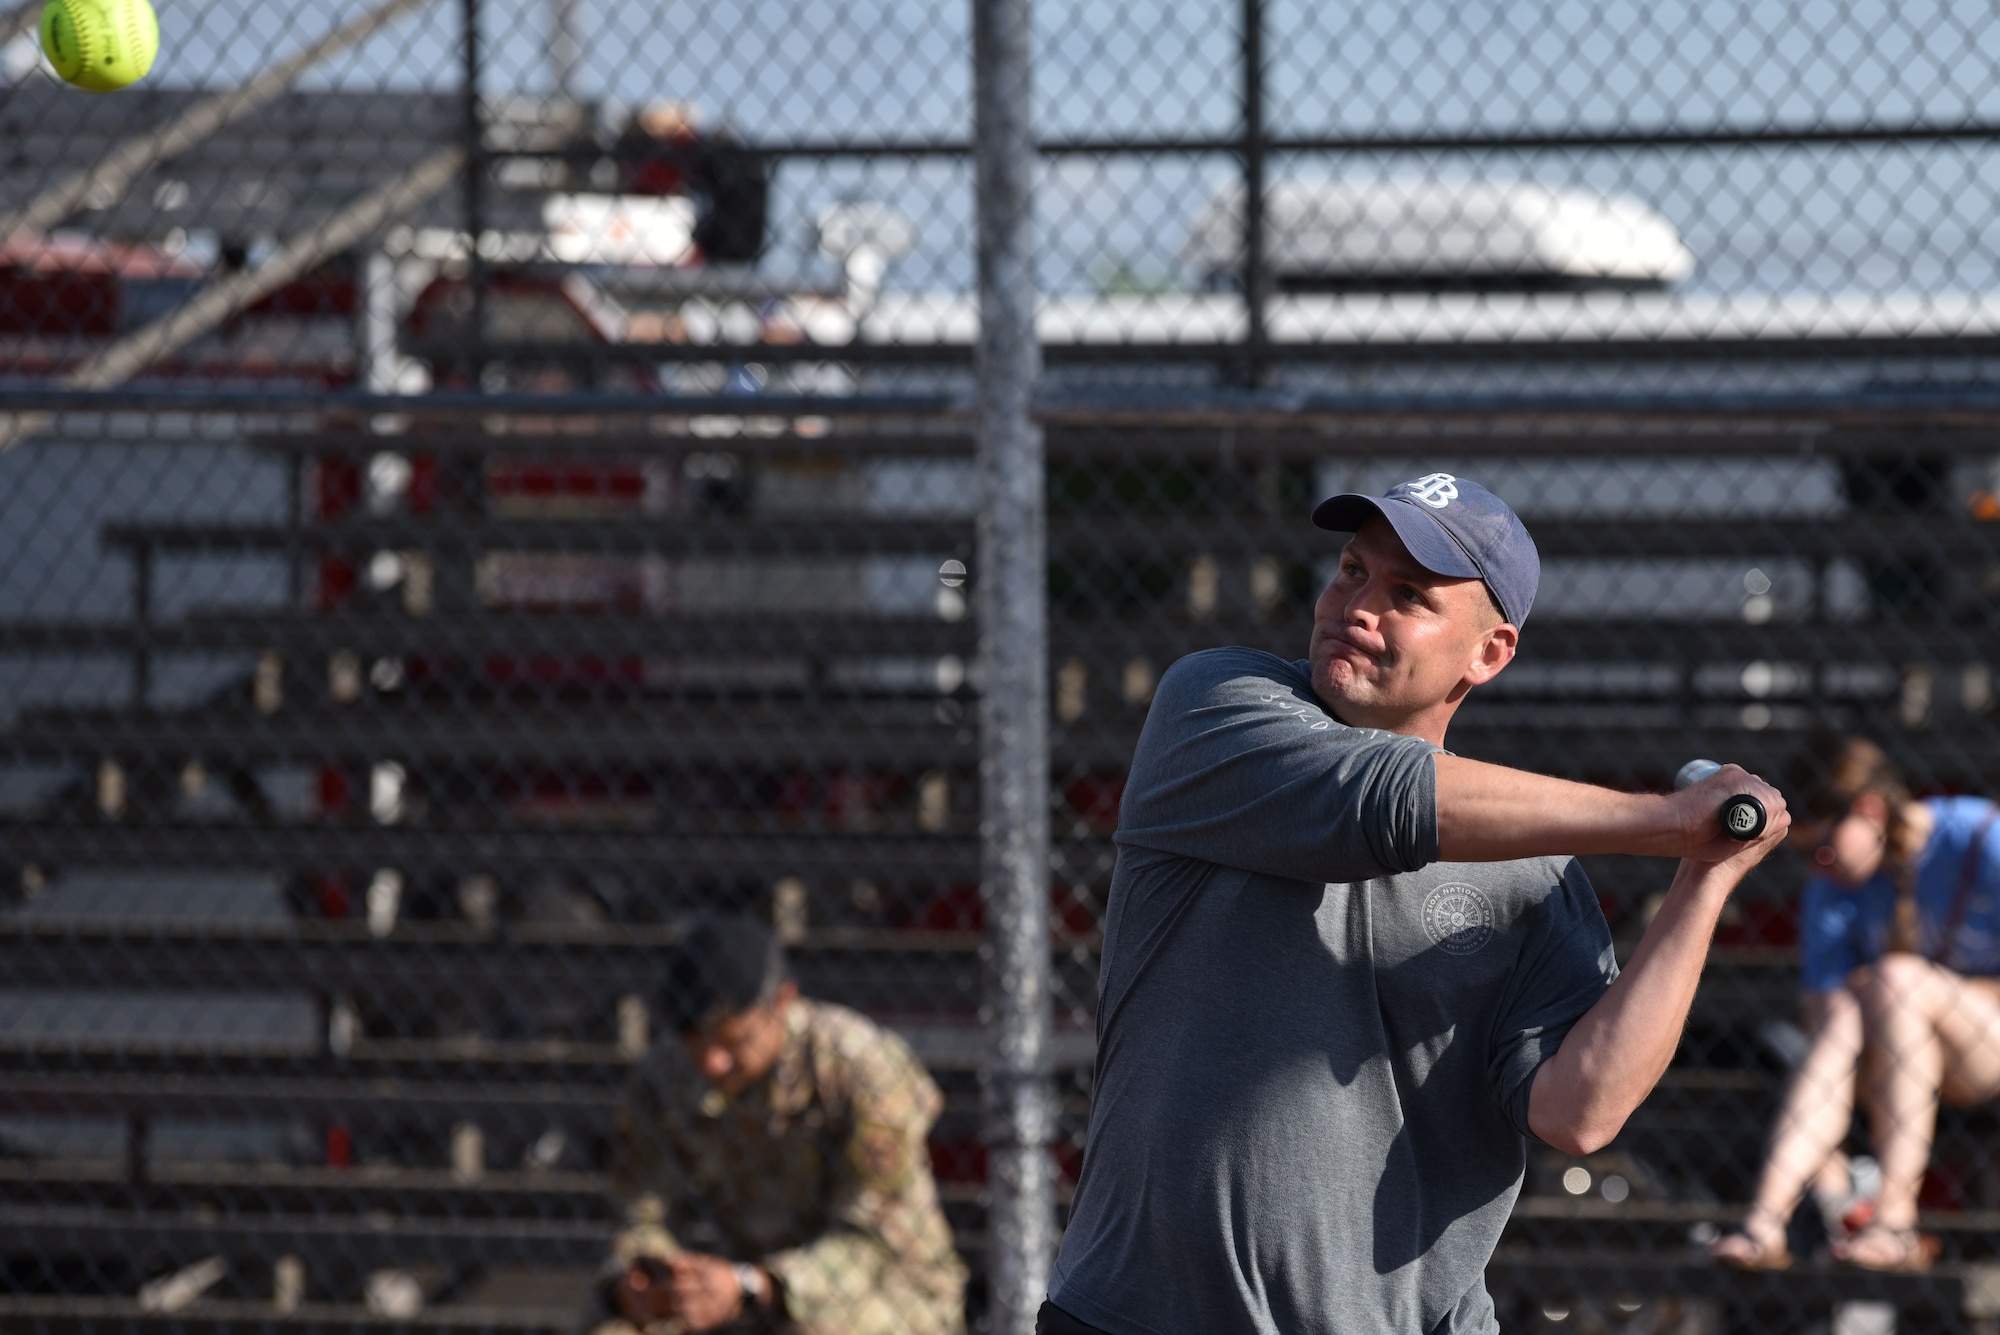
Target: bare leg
1815,1116
1931,1033
1835,1179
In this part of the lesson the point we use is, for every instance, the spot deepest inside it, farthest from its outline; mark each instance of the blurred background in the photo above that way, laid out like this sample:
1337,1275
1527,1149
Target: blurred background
483,481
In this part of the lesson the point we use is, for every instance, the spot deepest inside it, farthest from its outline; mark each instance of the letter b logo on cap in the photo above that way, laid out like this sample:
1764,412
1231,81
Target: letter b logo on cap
1436,490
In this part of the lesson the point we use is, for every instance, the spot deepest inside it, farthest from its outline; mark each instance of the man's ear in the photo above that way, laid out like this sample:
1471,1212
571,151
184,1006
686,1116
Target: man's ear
1494,652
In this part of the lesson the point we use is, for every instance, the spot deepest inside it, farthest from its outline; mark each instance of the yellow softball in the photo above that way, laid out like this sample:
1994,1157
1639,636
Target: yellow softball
100,45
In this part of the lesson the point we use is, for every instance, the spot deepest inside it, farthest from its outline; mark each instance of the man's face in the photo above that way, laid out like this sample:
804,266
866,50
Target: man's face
1391,639
736,1052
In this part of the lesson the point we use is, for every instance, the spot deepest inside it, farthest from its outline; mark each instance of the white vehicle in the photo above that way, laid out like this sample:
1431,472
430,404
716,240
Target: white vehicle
1441,233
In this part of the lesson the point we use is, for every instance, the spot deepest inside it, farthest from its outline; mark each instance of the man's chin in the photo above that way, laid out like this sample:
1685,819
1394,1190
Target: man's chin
1336,685
1354,699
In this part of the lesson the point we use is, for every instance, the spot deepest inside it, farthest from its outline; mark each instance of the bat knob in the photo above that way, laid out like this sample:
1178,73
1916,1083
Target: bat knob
1743,817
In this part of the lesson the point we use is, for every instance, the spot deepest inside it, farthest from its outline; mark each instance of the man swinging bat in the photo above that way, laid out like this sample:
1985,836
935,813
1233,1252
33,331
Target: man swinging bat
1347,974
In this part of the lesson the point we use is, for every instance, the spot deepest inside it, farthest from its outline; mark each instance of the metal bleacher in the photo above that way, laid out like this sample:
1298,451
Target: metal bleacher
490,1023
465,1023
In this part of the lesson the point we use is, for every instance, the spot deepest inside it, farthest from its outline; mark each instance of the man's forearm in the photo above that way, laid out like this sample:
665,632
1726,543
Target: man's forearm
818,1279
1618,1051
1488,813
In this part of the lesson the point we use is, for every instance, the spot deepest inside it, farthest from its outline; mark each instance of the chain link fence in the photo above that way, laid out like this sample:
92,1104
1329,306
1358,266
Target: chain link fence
492,489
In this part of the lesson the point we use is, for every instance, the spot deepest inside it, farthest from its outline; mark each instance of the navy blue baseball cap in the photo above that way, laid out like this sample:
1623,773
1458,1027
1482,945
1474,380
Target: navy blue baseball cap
1455,527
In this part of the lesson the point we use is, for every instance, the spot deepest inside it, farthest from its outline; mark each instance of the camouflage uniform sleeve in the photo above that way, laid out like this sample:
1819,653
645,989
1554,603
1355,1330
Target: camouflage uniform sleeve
884,1213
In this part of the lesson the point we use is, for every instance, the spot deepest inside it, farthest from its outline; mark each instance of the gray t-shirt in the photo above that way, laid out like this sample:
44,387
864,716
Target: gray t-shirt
1315,1042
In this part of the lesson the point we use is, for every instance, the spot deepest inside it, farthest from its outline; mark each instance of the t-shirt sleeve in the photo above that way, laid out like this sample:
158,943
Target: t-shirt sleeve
1240,765
1831,944
1562,974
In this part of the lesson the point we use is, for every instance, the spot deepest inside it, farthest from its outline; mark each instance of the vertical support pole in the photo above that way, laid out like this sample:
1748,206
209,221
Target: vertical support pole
138,1148
1012,585
381,358
142,624
475,192
1256,277
565,47
295,523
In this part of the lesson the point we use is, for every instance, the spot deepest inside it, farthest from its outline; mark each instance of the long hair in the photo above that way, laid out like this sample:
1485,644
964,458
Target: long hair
1836,769
1839,768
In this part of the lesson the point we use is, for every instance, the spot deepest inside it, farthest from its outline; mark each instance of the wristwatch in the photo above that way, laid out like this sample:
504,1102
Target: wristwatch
751,1280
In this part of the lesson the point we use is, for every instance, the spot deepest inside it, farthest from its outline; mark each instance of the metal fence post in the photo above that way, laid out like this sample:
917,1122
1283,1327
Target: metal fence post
1012,582
1256,280
475,189
565,47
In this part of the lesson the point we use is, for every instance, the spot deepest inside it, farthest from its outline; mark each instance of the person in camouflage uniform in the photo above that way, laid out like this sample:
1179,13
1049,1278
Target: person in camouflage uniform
771,1163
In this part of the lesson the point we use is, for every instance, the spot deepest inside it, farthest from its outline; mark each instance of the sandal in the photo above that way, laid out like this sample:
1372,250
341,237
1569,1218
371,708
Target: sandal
1909,1251
1741,1250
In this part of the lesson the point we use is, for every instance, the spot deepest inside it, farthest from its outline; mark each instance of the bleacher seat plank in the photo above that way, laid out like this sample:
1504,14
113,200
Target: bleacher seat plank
1104,640
887,732
813,634
461,850
182,1238
1549,1273
1943,536
124,1316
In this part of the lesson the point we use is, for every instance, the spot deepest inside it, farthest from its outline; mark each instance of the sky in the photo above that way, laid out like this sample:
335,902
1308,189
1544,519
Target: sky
1875,217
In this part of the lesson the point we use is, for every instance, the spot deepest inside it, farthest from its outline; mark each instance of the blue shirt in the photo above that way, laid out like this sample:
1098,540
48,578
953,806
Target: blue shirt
1846,927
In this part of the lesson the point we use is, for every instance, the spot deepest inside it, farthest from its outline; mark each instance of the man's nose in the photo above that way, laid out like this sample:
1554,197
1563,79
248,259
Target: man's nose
716,1062
1361,608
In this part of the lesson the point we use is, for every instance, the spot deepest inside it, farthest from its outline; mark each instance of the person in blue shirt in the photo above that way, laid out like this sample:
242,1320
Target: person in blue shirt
1900,932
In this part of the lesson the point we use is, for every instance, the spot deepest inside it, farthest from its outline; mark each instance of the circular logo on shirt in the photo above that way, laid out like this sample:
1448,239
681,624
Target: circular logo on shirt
1458,917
